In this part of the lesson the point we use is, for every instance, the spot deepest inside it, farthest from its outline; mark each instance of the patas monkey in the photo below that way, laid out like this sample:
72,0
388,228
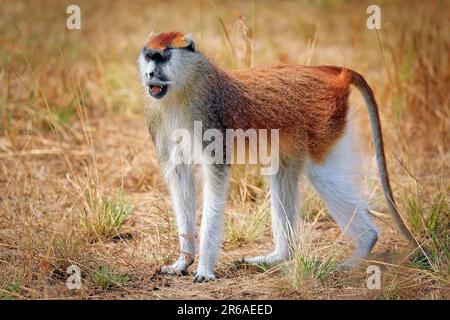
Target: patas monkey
309,107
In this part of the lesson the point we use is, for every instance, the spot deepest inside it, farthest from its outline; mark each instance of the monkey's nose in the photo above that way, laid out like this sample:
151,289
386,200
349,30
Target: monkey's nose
150,74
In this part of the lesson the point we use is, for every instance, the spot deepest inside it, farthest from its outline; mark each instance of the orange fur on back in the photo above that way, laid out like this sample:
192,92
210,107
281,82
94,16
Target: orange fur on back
307,104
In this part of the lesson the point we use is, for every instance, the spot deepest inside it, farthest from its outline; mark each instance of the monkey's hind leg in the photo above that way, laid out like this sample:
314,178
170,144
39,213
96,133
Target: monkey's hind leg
181,183
284,212
334,180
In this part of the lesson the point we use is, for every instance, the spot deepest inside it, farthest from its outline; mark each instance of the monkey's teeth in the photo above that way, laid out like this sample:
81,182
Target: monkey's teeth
155,89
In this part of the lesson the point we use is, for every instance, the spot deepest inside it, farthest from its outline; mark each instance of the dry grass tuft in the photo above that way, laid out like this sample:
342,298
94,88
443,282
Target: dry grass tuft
312,260
106,279
249,199
103,216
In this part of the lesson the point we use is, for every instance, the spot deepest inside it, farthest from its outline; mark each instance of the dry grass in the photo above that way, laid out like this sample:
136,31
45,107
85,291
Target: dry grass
312,259
79,181
250,213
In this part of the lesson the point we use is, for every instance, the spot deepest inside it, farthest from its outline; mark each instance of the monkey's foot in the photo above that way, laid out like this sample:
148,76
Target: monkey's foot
348,264
202,275
351,263
177,269
364,245
270,259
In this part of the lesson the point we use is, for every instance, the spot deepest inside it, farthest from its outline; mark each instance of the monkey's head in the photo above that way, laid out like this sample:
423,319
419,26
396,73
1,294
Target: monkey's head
167,63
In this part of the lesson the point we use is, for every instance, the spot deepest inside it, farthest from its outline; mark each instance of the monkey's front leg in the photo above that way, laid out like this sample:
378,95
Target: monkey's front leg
215,195
182,189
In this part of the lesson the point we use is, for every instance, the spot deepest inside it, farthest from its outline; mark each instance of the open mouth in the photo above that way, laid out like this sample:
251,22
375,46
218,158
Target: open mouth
157,91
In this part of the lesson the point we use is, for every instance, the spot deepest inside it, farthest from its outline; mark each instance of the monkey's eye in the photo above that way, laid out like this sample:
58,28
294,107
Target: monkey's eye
158,57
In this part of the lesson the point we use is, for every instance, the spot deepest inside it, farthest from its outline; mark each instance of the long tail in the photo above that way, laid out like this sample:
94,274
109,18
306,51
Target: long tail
372,107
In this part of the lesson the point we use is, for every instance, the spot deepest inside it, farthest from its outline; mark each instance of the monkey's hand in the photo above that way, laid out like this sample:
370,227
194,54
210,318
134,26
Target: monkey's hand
203,275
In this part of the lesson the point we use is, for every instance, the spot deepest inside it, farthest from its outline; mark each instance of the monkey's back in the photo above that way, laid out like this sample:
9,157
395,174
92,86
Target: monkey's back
307,104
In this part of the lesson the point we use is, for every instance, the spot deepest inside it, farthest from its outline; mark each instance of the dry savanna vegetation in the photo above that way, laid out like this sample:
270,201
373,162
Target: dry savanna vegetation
79,180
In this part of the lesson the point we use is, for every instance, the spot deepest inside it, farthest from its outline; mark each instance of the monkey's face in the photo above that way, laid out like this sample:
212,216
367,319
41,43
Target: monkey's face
162,63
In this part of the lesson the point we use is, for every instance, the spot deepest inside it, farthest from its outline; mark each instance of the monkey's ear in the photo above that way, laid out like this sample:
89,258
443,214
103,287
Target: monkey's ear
190,43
